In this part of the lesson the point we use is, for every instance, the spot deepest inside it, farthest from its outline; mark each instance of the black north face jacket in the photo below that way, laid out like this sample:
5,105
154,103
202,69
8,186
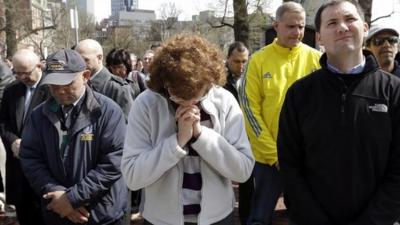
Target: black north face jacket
339,148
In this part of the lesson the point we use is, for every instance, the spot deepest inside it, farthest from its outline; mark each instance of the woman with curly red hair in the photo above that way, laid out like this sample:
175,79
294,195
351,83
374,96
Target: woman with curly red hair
186,140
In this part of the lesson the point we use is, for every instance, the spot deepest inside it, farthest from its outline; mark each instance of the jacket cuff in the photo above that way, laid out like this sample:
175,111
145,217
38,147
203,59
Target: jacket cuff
73,200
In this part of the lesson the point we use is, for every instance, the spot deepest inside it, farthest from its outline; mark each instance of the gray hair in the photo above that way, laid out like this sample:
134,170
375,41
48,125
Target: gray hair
288,7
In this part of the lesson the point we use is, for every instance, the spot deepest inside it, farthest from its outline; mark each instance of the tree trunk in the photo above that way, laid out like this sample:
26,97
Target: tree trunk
366,5
11,34
241,21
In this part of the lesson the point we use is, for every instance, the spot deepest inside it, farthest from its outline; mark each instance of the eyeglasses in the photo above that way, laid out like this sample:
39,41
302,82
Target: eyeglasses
21,74
380,41
192,101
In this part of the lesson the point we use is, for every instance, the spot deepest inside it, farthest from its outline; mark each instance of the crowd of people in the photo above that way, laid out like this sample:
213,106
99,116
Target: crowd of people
91,139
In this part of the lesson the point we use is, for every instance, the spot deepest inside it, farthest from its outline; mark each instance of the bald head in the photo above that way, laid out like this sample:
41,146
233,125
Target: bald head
25,57
27,67
92,52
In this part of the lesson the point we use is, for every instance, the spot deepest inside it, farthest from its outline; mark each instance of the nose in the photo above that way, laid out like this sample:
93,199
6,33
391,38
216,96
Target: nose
342,27
297,30
386,43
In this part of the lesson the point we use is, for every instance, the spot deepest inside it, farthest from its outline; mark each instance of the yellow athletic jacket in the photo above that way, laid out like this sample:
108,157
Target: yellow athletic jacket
269,74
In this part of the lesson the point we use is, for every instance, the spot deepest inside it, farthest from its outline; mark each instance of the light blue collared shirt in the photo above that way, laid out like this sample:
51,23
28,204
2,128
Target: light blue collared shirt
357,69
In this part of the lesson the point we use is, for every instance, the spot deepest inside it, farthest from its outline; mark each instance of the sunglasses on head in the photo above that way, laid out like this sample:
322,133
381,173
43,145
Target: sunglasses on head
380,41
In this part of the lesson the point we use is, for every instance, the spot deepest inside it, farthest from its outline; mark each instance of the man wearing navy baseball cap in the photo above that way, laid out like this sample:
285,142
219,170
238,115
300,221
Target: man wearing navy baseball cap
72,148
383,42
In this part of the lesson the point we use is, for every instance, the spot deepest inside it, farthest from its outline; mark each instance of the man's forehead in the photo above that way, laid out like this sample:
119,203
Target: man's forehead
343,9
236,54
288,17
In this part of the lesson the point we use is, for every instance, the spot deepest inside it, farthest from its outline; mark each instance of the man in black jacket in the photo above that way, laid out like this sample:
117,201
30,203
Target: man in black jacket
19,99
339,134
236,60
101,80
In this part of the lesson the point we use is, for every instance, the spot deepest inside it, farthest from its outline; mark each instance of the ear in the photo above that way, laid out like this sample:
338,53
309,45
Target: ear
86,75
318,38
100,57
275,25
366,29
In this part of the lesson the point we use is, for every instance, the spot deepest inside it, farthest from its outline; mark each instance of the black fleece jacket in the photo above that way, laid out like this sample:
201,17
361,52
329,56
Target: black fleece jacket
339,147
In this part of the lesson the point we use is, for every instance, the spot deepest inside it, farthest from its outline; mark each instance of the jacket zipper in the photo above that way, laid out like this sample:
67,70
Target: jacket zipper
343,99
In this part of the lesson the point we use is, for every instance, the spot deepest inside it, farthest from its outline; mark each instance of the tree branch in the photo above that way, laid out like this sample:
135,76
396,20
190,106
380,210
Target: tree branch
222,24
34,31
381,17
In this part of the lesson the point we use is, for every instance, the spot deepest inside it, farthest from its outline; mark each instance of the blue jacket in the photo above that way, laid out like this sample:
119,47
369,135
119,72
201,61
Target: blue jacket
88,167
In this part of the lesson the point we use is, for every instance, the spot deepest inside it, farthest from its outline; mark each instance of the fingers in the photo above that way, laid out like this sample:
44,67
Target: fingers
83,211
189,112
49,195
76,216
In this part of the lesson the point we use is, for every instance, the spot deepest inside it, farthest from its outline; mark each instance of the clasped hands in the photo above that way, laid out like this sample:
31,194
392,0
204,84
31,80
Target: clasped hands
188,118
60,204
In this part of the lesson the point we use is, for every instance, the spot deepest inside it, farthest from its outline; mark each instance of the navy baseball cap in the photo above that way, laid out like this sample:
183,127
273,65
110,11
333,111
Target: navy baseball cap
63,66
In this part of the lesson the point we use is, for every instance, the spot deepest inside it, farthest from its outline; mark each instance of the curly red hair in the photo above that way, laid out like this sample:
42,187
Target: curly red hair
185,64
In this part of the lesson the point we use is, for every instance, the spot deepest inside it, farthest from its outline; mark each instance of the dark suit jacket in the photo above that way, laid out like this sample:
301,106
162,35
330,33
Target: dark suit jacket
11,126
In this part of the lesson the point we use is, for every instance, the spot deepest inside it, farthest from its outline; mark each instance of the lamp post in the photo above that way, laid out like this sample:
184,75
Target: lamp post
74,20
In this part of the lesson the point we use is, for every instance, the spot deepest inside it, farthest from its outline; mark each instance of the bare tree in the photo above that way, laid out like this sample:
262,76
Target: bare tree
242,20
19,23
169,14
366,5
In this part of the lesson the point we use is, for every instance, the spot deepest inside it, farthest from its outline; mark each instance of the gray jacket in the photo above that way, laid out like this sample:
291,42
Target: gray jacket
115,88
152,158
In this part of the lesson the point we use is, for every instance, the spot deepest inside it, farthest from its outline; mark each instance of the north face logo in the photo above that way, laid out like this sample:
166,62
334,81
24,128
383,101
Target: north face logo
378,108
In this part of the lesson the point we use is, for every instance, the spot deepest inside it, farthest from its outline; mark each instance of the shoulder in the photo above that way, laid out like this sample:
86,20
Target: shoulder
14,86
149,98
107,105
118,80
305,49
262,52
306,82
221,97
110,78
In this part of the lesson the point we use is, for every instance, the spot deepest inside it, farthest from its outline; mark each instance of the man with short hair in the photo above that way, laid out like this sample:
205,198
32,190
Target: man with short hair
147,59
101,80
72,148
271,71
236,60
339,134
383,42
19,99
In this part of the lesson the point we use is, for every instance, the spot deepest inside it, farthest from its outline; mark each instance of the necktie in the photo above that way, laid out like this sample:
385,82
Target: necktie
28,97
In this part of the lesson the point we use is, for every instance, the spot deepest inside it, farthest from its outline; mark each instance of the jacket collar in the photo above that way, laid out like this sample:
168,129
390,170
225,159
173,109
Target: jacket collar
286,51
370,63
100,80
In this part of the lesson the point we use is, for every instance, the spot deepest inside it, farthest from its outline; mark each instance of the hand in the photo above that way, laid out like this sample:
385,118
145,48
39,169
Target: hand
59,203
79,215
277,165
196,124
186,116
15,147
